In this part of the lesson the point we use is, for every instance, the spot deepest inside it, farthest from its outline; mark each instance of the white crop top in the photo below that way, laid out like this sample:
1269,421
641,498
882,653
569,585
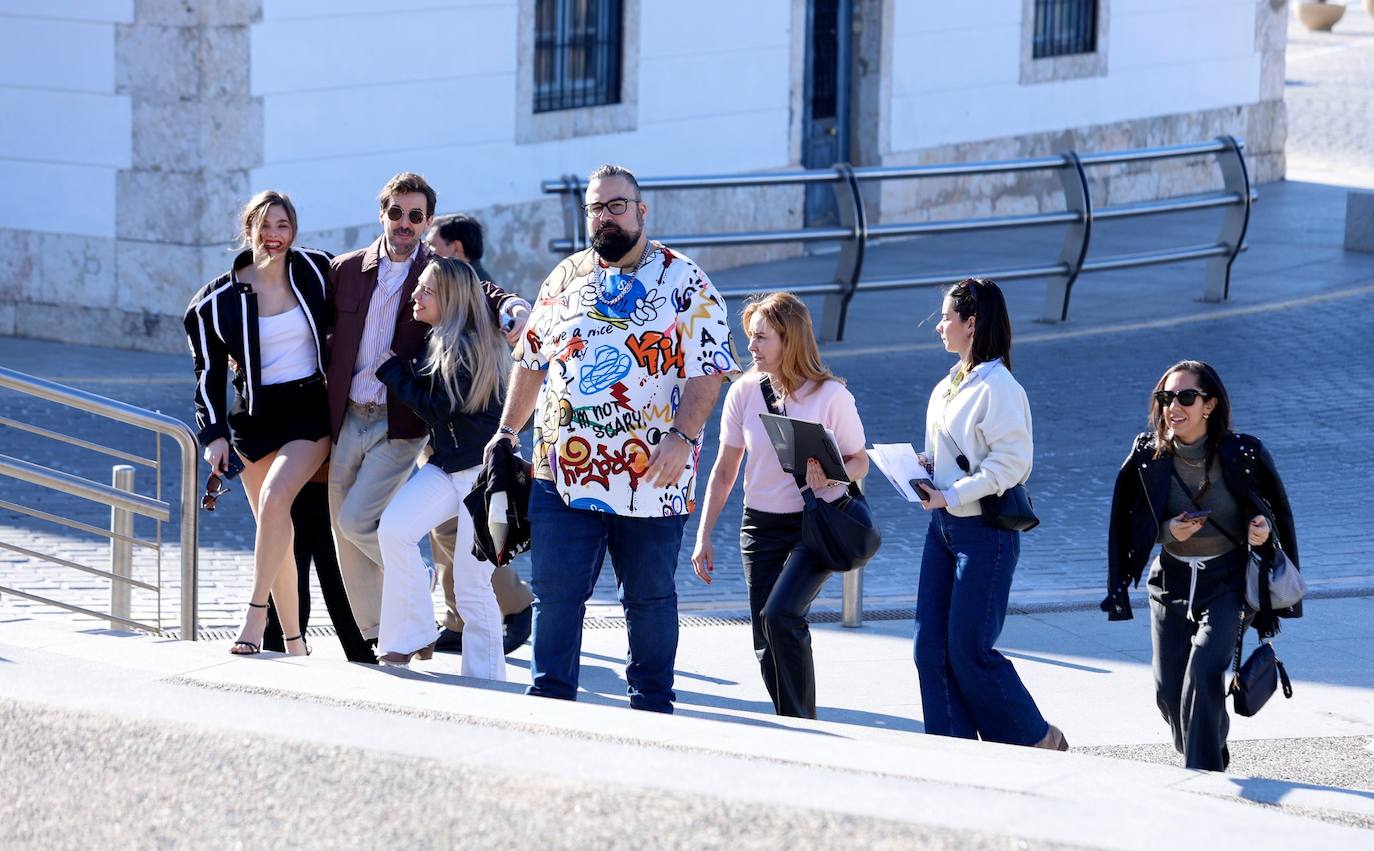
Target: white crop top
286,347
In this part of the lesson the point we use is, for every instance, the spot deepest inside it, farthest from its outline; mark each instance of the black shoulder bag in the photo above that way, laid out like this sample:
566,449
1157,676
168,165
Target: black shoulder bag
1010,510
841,536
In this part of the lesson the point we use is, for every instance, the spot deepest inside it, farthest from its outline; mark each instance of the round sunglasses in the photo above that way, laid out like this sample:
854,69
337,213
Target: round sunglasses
1186,398
394,213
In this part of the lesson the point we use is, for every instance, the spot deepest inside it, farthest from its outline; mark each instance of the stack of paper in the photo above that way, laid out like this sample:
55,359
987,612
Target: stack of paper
898,462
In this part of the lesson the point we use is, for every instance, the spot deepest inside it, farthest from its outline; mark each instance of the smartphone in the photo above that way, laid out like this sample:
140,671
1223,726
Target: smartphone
1197,515
916,486
233,465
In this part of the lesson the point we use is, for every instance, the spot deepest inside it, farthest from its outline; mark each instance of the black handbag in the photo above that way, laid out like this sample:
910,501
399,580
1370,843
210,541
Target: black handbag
1254,683
1011,510
839,535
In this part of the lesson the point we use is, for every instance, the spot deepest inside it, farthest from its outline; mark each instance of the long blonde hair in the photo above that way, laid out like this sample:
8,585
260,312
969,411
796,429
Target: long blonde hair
465,340
801,358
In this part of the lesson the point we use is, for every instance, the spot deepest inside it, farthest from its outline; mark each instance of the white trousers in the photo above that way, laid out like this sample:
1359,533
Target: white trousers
427,500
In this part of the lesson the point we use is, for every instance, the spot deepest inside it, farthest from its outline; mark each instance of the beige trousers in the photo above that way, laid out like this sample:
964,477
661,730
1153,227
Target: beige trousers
365,472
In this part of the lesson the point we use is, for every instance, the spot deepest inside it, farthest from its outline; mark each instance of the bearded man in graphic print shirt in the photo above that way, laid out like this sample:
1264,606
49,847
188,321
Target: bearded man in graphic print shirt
631,344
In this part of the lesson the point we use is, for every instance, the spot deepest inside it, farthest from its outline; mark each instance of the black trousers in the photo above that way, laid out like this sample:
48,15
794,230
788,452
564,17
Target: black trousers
314,541
1193,654
783,581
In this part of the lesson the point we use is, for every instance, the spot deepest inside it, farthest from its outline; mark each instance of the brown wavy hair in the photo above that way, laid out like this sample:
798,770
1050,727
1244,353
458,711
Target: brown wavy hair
801,358
1218,422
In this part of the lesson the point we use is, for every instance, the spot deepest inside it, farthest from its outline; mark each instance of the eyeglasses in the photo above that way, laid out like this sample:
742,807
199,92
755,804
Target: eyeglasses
416,215
1186,398
617,206
214,489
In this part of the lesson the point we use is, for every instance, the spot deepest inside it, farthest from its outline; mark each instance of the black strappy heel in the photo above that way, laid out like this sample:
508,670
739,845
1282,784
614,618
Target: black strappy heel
256,649
301,639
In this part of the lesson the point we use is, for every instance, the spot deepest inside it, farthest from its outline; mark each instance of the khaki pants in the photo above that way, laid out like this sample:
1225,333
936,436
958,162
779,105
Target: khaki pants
365,472
512,593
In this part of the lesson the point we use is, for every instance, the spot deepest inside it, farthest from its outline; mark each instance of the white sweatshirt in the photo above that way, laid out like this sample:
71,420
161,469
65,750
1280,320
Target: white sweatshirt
989,419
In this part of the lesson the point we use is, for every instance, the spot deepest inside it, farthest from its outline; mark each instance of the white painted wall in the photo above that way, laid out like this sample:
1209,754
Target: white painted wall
65,133
351,95
956,69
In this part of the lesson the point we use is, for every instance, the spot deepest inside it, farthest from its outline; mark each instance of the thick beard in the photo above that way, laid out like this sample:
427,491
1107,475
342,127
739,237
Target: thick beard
613,243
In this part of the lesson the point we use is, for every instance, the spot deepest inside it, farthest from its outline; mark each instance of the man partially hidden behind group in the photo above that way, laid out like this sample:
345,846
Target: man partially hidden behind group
376,440
635,345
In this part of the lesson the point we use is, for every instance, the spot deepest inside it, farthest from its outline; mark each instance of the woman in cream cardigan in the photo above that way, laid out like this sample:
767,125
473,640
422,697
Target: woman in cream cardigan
978,444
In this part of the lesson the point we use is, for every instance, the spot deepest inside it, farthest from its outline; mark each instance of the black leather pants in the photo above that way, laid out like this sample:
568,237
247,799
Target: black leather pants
783,581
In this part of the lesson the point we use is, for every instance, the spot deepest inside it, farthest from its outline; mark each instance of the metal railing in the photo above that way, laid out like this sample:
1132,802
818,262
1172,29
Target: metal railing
124,503
855,233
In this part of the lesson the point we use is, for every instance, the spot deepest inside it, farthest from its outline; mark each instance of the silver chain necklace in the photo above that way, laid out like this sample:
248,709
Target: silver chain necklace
626,284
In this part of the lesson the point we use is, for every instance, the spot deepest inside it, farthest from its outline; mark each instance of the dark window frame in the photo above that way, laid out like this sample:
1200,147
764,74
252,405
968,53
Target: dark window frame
1064,28
578,54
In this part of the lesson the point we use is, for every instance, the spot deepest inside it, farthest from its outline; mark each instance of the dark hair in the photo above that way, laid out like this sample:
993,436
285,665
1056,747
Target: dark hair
992,332
403,183
1218,422
465,229
611,170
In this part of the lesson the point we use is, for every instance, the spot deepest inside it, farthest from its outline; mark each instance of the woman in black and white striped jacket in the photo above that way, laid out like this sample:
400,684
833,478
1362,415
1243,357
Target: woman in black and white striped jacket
267,319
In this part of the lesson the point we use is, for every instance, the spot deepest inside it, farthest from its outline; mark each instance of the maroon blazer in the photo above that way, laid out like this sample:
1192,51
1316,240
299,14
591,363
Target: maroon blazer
353,277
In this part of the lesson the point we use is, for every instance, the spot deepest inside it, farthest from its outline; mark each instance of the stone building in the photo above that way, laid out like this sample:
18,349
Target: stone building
135,128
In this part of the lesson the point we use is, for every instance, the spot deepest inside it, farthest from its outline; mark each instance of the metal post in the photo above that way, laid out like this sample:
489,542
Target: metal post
850,264
190,532
852,605
121,551
1077,199
1217,286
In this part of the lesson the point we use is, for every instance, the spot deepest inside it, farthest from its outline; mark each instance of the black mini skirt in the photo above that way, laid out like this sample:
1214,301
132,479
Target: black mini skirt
293,410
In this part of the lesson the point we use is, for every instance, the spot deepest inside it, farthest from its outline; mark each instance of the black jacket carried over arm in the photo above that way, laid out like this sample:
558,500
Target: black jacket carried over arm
504,472
1138,512
457,439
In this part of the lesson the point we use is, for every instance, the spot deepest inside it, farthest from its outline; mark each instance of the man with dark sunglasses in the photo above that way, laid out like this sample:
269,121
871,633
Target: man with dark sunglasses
376,438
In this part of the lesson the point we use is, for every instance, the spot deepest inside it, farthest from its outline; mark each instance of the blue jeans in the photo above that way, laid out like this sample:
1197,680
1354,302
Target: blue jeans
968,689
567,548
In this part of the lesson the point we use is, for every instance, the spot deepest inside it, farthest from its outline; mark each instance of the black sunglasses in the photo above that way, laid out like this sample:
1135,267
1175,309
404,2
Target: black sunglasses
1186,398
416,216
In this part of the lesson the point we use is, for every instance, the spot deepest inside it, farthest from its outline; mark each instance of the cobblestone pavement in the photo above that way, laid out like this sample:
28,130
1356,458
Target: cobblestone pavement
1329,78
1300,307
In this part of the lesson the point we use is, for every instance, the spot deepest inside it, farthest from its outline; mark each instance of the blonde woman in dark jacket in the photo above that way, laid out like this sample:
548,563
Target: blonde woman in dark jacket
456,386
267,318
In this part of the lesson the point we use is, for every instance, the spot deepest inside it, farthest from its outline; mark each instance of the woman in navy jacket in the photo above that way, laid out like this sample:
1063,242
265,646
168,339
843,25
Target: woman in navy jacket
456,387
1210,496
267,318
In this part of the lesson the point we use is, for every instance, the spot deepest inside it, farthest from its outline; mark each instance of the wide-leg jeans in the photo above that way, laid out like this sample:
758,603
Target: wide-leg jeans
968,689
567,548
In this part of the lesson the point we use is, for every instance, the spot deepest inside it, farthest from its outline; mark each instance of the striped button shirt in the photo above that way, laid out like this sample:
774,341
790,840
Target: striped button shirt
378,330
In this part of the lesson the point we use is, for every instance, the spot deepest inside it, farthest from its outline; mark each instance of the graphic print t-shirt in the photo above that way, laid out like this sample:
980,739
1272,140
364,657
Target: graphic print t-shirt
618,350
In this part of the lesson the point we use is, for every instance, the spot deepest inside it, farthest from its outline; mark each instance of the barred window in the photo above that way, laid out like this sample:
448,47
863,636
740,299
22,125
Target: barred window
577,53
1065,27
